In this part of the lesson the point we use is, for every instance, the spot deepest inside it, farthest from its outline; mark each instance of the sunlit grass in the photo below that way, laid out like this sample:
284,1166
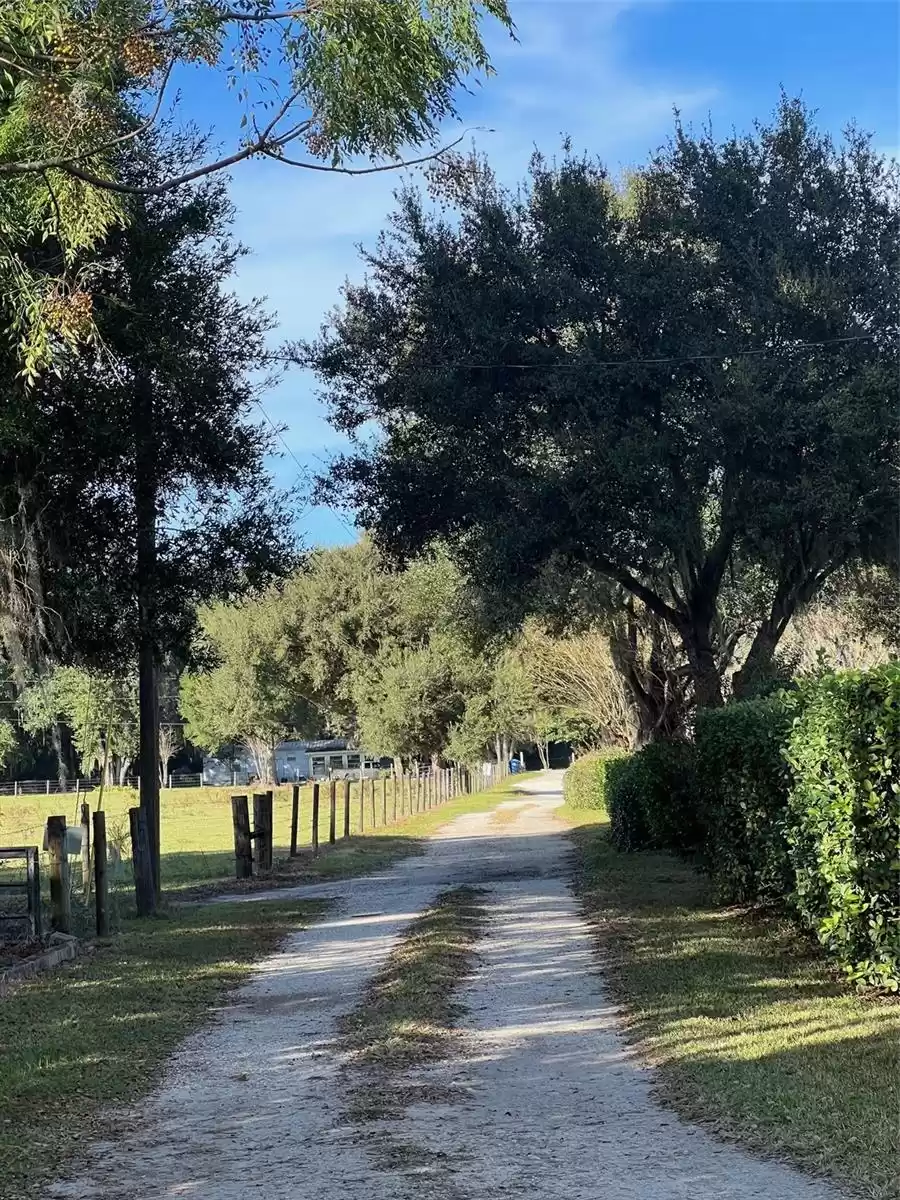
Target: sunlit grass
78,1041
750,1029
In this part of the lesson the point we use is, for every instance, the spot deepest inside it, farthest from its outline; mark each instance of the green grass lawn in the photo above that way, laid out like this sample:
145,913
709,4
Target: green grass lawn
197,839
750,1029
96,1034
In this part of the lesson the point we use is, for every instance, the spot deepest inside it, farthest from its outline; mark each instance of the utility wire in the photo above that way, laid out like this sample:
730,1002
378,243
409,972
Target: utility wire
662,360
304,471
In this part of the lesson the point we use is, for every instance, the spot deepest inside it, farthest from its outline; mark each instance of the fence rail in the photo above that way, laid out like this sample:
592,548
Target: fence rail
76,787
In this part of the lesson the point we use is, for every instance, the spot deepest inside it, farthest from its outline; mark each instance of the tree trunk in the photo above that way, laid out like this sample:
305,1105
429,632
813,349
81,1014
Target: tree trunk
56,737
145,501
655,686
705,673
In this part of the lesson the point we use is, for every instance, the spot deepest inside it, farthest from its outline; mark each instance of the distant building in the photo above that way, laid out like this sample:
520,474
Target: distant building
296,761
329,759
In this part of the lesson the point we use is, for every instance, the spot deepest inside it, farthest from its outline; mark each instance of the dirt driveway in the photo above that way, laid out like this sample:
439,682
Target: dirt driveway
542,1101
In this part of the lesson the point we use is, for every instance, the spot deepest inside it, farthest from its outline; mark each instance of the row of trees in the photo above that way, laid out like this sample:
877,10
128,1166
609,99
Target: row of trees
398,661
403,663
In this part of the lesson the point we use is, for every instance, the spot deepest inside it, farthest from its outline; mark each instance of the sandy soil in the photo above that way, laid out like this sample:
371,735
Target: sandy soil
548,1102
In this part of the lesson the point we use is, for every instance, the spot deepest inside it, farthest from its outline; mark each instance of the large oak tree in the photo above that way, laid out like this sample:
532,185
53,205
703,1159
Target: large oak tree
684,384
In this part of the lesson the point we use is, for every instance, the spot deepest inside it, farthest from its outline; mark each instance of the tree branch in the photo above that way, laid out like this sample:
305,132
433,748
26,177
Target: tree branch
257,147
228,16
395,166
654,602
64,162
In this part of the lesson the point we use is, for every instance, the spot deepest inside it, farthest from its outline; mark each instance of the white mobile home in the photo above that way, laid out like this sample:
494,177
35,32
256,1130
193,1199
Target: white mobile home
295,761
332,759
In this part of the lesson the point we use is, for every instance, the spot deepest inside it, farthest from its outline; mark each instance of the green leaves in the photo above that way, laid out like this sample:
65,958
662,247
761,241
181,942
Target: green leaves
844,818
586,781
797,802
653,386
81,82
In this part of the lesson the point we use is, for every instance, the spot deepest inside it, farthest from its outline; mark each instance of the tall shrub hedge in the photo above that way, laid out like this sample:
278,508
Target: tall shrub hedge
743,783
843,818
652,799
585,782
793,798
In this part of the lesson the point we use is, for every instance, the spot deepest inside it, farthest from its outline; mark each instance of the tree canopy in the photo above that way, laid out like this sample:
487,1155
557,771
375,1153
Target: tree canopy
82,82
684,385
165,393
256,692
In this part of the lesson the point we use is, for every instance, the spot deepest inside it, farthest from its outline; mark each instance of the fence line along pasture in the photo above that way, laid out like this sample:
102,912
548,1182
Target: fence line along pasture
213,831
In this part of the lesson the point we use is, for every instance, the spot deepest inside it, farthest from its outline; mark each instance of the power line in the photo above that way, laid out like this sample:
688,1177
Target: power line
304,471
661,360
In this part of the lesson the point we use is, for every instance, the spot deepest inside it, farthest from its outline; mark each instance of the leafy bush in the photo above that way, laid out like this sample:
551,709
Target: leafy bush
743,785
843,815
585,782
652,799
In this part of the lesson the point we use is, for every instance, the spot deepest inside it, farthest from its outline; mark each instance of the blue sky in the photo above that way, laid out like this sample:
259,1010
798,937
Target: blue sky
607,72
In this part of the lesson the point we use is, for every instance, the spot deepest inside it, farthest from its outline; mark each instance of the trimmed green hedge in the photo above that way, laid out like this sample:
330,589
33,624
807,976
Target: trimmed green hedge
794,798
843,818
652,799
743,785
585,782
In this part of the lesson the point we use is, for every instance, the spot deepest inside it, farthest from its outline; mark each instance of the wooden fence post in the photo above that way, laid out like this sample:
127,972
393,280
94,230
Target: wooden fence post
33,878
384,800
398,783
142,865
60,907
86,851
346,808
362,803
332,812
243,847
315,819
295,818
373,804
262,830
101,888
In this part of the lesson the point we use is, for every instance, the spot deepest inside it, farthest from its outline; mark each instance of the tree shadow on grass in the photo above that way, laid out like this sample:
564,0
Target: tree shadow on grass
97,1033
751,1028
191,876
